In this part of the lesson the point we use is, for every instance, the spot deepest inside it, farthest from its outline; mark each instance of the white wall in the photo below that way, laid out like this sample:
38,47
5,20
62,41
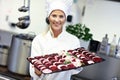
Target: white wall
103,17
100,16
37,15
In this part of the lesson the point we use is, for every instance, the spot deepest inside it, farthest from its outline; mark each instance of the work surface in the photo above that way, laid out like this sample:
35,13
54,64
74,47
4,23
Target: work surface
7,75
106,70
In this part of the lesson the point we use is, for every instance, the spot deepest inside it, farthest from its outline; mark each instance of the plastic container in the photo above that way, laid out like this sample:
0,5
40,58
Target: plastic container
104,45
113,46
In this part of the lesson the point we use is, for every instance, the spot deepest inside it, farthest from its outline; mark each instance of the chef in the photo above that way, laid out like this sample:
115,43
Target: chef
54,40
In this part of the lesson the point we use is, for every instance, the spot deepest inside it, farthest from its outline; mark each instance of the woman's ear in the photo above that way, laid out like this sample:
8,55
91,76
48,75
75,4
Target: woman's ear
47,20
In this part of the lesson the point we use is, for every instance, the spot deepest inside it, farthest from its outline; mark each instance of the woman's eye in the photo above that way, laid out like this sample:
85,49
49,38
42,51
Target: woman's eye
61,16
53,15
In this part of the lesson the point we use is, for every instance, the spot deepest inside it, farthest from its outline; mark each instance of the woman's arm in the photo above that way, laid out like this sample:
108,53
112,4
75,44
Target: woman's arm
35,51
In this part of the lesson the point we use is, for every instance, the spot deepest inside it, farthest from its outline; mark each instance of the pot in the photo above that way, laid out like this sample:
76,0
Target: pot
19,51
23,9
3,55
23,24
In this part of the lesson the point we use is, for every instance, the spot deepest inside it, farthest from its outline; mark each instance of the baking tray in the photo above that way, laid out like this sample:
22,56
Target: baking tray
66,60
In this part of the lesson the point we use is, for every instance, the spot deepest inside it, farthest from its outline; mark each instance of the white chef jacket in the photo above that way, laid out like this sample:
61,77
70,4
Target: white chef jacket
46,44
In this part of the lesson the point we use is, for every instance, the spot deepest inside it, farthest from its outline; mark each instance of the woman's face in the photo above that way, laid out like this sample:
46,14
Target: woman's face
57,19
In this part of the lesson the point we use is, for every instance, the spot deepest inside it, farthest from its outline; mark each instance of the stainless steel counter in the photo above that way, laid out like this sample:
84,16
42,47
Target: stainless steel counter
106,70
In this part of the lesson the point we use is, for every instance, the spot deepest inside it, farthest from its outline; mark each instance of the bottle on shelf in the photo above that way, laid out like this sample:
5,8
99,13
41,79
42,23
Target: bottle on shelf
104,45
113,46
118,49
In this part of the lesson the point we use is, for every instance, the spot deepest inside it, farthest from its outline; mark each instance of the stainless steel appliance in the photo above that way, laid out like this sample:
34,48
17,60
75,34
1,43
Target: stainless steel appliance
3,55
19,51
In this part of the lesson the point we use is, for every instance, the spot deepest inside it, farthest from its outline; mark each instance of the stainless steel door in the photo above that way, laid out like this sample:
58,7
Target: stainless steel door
3,55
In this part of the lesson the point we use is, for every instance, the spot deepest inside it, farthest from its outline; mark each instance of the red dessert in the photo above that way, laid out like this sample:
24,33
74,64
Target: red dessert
54,68
62,67
97,59
71,66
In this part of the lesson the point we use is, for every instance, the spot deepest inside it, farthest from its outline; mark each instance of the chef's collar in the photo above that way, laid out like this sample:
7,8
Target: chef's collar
52,34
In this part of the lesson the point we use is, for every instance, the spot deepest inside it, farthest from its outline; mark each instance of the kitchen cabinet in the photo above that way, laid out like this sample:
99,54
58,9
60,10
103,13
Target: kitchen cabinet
106,70
5,74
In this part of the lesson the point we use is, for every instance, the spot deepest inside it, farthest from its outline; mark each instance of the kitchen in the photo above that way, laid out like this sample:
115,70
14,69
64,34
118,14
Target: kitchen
99,16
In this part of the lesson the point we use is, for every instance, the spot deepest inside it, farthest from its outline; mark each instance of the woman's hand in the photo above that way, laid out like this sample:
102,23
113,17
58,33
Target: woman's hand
37,72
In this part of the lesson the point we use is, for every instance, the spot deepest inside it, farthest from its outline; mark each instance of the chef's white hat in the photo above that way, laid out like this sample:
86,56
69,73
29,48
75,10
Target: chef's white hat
64,5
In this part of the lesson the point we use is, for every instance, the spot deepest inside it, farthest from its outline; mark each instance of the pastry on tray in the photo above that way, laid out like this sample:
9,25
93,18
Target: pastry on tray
65,60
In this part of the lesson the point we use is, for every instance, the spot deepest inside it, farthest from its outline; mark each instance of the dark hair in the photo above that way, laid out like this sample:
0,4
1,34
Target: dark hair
47,20
69,18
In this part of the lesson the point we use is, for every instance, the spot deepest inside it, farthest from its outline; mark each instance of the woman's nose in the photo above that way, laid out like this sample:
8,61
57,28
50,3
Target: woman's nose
57,19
